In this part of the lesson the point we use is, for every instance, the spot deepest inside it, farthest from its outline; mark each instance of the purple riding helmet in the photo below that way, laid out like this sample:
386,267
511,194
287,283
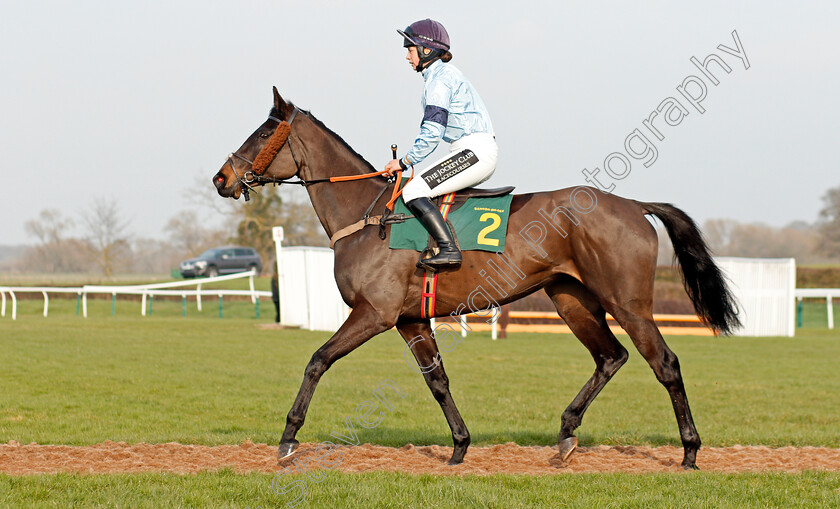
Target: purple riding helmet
429,34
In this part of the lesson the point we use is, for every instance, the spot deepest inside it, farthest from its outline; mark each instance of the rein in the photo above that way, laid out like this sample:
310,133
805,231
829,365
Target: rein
281,137
266,156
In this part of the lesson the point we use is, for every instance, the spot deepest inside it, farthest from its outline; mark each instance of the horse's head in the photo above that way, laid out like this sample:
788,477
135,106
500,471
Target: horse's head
264,157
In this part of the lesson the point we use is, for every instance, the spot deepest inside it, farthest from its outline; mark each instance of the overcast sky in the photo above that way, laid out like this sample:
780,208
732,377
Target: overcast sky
142,101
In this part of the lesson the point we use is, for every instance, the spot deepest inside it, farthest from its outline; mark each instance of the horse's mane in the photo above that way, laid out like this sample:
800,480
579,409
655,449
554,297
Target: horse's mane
277,113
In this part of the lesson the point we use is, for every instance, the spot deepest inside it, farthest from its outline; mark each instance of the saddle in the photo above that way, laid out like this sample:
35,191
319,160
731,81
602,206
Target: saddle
474,192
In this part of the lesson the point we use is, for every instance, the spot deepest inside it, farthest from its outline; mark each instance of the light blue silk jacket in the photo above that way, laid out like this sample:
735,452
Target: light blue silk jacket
452,109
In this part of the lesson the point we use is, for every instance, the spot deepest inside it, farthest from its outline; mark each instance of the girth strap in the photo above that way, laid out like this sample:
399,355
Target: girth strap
353,228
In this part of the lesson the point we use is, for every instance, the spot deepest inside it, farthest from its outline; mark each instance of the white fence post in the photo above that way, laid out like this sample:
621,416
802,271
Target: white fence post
495,321
830,309
277,235
251,282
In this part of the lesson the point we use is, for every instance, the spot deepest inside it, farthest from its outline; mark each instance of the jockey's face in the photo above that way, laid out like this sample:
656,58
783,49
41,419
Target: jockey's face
412,57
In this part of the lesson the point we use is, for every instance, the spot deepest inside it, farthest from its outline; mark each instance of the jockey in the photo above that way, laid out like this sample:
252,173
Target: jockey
452,112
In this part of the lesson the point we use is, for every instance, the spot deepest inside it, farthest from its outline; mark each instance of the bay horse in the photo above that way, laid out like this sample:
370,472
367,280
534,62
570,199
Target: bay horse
591,252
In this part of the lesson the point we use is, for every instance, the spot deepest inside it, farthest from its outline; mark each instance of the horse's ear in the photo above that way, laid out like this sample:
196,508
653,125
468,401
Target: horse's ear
279,104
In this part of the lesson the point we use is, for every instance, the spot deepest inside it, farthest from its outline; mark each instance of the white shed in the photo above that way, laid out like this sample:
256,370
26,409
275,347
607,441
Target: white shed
764,289
309,297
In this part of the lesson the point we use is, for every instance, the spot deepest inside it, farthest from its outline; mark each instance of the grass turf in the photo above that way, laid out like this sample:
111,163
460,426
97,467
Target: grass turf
200,379
226,489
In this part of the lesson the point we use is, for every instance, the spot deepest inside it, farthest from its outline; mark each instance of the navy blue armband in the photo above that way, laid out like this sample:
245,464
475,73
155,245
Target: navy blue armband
436,114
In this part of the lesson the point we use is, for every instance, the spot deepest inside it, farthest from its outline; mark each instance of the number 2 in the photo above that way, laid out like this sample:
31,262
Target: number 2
482,235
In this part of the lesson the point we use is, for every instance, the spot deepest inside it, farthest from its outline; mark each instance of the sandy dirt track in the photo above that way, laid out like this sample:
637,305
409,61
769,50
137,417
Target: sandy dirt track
119,457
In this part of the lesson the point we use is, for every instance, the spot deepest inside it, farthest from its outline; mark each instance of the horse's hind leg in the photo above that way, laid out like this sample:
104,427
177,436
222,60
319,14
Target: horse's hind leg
362,324
586,318
648,340
420,339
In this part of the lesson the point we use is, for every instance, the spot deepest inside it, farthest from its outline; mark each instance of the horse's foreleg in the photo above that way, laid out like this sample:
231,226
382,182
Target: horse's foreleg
362,324
420,339
587,319
648,340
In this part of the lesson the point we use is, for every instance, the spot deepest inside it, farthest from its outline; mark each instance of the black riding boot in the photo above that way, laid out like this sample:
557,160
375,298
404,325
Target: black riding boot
429,215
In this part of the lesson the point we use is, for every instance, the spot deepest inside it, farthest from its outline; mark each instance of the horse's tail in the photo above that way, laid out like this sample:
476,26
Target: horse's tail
703,280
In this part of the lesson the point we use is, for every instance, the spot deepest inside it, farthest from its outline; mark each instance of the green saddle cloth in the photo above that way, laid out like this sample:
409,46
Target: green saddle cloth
480,225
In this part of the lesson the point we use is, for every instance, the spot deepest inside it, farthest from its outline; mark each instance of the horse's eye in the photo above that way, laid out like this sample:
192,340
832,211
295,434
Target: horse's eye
264,135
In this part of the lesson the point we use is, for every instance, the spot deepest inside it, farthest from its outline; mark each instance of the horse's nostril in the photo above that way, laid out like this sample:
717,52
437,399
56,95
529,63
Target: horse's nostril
218,181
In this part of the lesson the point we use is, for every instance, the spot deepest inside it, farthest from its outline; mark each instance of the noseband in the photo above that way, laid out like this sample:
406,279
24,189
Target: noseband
260,164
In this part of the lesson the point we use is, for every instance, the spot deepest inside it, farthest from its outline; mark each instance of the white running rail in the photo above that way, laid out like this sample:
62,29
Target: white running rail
824,293
143,290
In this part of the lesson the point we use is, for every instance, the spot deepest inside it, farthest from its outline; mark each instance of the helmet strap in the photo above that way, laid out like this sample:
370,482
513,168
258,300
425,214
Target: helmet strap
426,60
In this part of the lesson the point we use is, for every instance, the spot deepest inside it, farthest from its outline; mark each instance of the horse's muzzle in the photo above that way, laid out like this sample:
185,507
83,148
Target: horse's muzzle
219,181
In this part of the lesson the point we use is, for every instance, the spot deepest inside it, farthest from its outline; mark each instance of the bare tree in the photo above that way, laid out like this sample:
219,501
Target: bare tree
718,234
301,226
271,208
56,251
762,241
188,234
798,240
49,227
829,223
153,256
106,231
255,221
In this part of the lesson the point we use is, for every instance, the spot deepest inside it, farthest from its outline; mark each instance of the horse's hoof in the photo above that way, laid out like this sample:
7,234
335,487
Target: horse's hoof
566,447
690,467
458,455
287,449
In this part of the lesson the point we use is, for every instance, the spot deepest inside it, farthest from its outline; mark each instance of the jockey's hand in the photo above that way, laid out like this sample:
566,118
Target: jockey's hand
393,166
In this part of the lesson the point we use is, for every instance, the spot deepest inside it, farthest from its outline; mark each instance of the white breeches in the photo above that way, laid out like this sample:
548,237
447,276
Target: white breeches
471,161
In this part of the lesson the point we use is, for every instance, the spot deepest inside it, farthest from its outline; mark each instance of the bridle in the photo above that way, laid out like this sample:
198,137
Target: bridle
281,138
255,175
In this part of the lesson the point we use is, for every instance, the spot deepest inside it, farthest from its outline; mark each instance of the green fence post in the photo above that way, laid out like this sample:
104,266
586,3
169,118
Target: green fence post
799,313
113,304
151,303
183,305
220,305
257,304
78,302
